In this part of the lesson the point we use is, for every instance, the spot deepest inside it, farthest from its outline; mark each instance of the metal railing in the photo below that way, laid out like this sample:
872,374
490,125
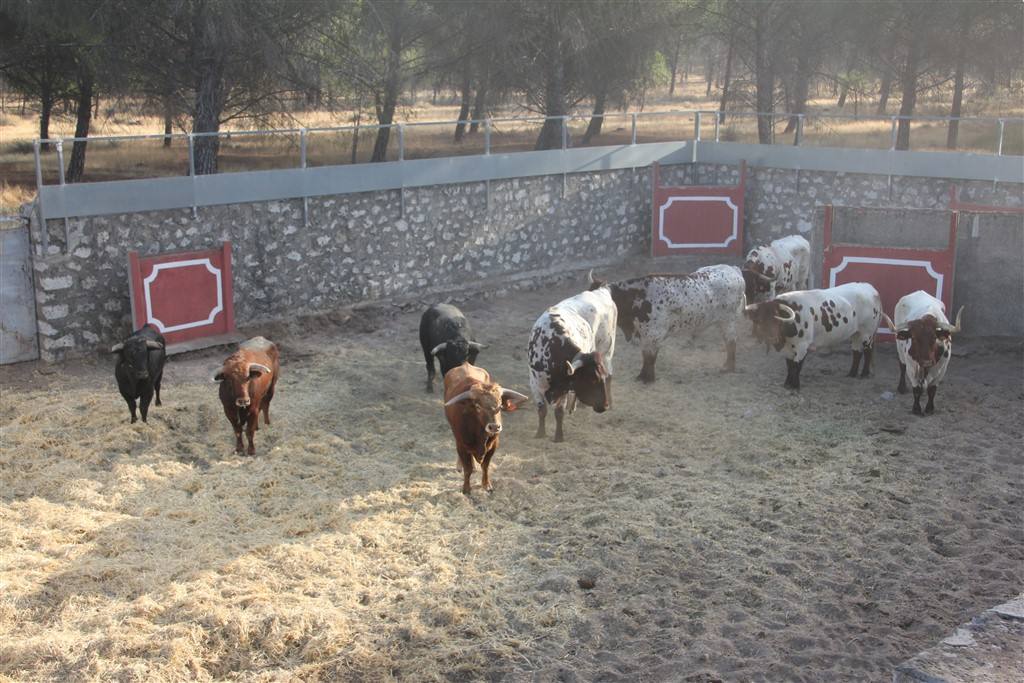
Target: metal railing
707,126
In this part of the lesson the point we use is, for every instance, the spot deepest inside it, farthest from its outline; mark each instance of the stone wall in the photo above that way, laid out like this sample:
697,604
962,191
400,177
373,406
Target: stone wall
366,246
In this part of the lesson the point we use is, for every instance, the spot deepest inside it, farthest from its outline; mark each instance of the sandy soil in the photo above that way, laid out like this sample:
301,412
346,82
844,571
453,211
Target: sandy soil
730,530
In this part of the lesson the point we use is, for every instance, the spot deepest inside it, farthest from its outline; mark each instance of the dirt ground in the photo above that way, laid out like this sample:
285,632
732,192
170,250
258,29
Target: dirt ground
726,528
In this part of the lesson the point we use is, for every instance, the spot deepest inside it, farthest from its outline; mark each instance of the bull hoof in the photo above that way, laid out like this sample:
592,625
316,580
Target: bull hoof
134,419
540,434
430,389
465,490
852,373
159,402
251,450
645,379
928,410
559,438
916,410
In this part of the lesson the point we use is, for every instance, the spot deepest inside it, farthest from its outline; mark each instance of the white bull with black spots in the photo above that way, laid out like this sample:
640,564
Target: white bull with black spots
799,322
924,343
654,307
570,352
776,268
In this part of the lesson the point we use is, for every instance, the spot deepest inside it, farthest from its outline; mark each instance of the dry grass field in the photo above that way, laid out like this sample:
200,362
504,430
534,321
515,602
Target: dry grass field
730,529
109,160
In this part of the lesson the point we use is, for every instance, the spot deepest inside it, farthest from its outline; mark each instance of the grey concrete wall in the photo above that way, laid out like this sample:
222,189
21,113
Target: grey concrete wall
362,246
989,280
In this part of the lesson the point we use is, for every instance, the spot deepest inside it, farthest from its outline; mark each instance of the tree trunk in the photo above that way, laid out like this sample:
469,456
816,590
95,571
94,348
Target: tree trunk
727,78
765,84
479,104
709,76
206,117
168,120
76,166
674,66
554,104
596,119
45,111
801,89
460,127
908,85
955,110
385,116
844,89
883,92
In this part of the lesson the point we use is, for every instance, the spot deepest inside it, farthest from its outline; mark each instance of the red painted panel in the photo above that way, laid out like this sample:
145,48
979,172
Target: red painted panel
893,271
186,295
697,219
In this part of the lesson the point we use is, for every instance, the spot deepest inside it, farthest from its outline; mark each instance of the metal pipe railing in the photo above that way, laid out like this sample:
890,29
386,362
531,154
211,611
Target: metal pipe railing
489,123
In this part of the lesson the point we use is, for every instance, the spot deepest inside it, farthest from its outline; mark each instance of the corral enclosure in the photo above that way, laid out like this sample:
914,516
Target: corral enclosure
731,529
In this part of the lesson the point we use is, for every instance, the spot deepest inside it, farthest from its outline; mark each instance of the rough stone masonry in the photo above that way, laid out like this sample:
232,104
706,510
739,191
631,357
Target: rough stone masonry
364,246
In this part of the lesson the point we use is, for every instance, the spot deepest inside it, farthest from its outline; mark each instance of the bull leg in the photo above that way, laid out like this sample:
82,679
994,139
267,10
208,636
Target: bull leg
430,371
131,407
869,355
559,417
251,425
487,463
917,401
647,370
542,413
144,400
265,404
236,423
730,355
793,373
929,407
902,386
855,365
156,386
466,460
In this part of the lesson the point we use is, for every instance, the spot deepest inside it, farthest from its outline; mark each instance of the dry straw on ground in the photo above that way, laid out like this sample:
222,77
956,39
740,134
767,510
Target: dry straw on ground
729,529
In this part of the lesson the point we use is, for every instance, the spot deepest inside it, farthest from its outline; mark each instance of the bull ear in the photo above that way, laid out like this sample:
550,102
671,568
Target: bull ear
219,377
117,348
903,335
510,400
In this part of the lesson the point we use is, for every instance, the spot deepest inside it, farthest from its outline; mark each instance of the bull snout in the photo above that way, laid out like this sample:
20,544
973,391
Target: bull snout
493,428
600,408
242,402
141,374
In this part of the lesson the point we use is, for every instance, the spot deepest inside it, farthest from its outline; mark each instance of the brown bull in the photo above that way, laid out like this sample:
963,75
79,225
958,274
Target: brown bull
247,382
473,404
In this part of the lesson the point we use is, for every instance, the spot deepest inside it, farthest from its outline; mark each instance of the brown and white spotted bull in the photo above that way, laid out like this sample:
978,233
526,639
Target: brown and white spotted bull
799,322
924,344
653,307
776,268
570,353
247,381
473,405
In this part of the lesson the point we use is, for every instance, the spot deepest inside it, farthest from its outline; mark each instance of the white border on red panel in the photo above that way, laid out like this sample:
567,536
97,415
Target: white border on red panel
700,245
913,263
183,264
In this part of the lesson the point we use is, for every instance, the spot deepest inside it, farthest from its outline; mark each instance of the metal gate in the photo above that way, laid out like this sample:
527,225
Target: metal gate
907,250
697,219
18,335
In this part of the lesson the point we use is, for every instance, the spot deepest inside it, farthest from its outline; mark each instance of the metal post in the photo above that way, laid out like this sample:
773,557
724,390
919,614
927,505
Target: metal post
487,135
565,132
799,130
192,171
303,137
633,136
43,236
892,134
1002,126
696,127
718,124
60,174
401,142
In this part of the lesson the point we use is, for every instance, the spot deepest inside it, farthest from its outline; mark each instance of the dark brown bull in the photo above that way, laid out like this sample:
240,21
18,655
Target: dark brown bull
473,404
247,380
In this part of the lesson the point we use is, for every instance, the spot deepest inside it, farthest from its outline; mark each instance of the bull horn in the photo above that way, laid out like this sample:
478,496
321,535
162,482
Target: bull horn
889,322
954,328
438,349
572,366
590,276
786,309
260,367
477,345
455,399
514,395
750,308
153,344
117,347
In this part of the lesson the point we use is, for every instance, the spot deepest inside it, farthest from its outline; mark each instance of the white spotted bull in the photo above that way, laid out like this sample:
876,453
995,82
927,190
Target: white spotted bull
924,343
776,268
800,322
653,307
570,352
